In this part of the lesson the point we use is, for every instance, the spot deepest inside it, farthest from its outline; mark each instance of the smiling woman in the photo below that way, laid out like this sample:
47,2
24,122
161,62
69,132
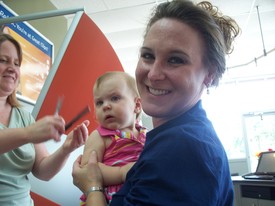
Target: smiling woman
171,72
11,58
21,139
183,161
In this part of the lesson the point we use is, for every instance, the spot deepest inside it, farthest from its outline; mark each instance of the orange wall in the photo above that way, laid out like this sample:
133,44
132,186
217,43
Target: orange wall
88,55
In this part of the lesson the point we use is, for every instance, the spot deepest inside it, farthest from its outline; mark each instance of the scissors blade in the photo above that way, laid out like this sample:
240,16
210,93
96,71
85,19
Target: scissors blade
58,105
78,116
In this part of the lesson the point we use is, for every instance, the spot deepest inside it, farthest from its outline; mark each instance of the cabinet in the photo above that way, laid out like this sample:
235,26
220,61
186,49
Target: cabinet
256,202
253,192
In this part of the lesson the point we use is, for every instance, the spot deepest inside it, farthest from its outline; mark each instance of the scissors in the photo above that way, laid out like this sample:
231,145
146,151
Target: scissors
86,110
58,105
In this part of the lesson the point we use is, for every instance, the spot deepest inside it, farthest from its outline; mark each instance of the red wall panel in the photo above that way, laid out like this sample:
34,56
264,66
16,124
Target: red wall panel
88,55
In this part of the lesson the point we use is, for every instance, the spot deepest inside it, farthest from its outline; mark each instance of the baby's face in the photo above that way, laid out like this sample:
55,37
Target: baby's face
114,104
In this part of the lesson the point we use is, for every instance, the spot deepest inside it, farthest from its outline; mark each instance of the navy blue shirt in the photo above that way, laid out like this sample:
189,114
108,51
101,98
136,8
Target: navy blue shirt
183,163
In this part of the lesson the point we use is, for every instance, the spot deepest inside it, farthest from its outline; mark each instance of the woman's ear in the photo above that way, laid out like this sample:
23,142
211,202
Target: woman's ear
208,79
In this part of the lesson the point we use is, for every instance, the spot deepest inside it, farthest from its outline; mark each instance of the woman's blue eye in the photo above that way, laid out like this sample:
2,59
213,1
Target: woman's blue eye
147,56
177,60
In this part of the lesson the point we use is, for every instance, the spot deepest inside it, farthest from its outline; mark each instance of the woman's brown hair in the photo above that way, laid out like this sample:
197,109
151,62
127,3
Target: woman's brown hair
217,31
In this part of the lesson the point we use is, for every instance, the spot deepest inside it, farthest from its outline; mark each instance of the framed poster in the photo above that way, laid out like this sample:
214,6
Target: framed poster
37,55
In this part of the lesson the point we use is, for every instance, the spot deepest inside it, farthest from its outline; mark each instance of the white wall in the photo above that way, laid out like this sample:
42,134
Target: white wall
60,189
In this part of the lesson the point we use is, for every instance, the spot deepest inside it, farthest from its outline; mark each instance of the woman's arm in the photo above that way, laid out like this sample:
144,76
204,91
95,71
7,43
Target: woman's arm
49,127
46,166
90,175
87,176
12,138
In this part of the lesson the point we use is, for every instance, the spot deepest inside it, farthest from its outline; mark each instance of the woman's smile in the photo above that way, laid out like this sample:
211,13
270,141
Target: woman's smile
157,92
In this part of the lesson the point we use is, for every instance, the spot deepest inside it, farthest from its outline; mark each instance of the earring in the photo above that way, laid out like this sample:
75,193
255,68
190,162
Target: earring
207,88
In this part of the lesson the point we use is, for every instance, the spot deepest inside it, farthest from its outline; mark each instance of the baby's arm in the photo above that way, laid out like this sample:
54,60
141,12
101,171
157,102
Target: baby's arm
94,142
116,174
111,175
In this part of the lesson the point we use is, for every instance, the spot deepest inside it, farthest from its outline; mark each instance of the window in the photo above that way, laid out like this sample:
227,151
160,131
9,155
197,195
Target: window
243,91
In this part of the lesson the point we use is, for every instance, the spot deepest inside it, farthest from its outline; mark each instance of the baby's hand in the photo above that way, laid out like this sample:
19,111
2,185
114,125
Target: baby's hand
77,137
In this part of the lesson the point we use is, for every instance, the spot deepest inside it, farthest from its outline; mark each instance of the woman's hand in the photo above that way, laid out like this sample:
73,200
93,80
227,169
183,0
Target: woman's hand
77,137
88,175
46,128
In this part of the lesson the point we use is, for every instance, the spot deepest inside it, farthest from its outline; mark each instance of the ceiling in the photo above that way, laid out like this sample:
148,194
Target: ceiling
123,22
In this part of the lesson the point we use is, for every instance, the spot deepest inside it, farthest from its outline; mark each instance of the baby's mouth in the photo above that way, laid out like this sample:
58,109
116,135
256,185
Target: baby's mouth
108,117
